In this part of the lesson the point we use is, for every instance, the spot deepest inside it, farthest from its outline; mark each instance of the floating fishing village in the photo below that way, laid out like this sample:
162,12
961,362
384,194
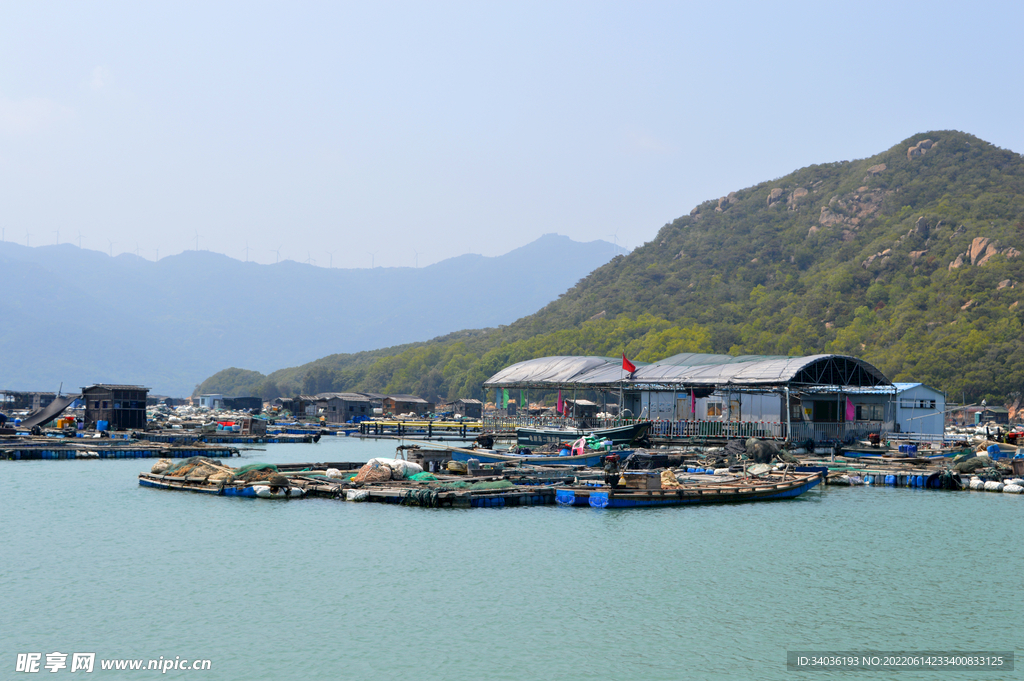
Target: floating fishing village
691,429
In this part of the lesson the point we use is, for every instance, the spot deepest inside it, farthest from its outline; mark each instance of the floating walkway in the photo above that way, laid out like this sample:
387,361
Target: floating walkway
52,450
225,437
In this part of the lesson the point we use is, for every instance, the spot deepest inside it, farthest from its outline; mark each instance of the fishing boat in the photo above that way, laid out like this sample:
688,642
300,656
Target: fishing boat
764,488
254,490
619,435
587,458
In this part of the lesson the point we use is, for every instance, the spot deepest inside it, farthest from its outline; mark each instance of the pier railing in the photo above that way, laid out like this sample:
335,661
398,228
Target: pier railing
699,430
849,431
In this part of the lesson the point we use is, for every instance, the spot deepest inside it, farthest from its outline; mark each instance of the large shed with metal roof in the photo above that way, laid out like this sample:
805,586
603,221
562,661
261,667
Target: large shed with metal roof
812,395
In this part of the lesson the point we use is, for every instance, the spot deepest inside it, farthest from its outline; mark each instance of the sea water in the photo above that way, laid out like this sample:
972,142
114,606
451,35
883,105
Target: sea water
316,588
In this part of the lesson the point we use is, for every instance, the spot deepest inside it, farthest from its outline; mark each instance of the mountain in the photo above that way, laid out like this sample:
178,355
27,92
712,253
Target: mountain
910,259
81,317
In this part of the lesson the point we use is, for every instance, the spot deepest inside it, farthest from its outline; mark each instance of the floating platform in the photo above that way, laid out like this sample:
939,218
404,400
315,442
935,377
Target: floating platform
433,495
119,450
223,437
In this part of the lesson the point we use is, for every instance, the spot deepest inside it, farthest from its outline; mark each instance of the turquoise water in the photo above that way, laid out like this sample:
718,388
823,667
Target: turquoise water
91,562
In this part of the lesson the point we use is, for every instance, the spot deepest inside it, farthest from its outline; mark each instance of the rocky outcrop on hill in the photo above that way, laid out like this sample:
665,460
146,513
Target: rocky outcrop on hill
794,198
982,250
920,148
724,202
851,210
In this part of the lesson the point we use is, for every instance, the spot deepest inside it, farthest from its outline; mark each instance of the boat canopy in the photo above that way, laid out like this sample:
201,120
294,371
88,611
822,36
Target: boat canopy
690,369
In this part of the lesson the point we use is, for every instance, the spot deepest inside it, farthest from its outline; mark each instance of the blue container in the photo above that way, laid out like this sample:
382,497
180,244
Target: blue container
994,452
869,479
102,425
890,480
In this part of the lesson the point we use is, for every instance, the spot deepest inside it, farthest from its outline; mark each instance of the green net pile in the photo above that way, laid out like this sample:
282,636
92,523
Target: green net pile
186,466
491,484
255,472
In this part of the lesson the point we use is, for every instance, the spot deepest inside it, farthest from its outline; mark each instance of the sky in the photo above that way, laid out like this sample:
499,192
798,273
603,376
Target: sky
399,134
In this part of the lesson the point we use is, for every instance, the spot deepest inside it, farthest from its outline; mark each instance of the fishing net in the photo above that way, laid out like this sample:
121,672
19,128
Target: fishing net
947,479
255,472
194,465
373,472
972,464
490,484
760,451
422,477
420,497
161,466
452,486
668,480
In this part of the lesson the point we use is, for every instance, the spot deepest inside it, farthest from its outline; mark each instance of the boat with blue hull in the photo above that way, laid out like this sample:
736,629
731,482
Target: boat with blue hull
619,435
256,490
767,488
588,458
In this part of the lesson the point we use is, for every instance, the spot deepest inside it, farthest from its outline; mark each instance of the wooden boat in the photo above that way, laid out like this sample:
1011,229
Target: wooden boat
764,488
588,458
254,490
619,436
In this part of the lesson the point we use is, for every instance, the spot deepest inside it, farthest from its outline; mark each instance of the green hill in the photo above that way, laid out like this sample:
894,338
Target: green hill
909,259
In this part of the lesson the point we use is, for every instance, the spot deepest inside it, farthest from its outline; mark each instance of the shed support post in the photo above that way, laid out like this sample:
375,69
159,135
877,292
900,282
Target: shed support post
789,421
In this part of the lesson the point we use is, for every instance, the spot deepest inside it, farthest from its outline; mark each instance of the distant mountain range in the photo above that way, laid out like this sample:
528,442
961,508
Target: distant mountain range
81,317
910,259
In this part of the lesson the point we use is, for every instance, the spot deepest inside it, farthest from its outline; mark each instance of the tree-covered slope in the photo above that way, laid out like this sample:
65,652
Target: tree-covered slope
909,259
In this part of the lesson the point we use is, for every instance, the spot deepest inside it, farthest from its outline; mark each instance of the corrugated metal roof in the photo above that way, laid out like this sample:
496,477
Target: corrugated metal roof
691,370
348,397
888,389
112,386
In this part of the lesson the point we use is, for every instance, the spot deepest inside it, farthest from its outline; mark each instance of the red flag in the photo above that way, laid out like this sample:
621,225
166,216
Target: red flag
627,365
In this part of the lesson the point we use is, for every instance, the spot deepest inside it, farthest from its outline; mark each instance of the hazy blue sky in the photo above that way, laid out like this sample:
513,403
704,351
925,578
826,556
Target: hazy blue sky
445,128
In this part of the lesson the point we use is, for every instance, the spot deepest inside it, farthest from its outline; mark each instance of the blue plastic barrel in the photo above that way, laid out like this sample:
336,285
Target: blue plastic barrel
102,425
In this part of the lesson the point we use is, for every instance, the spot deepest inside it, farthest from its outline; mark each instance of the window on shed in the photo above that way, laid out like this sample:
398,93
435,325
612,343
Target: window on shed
714,409
826,411
869,412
